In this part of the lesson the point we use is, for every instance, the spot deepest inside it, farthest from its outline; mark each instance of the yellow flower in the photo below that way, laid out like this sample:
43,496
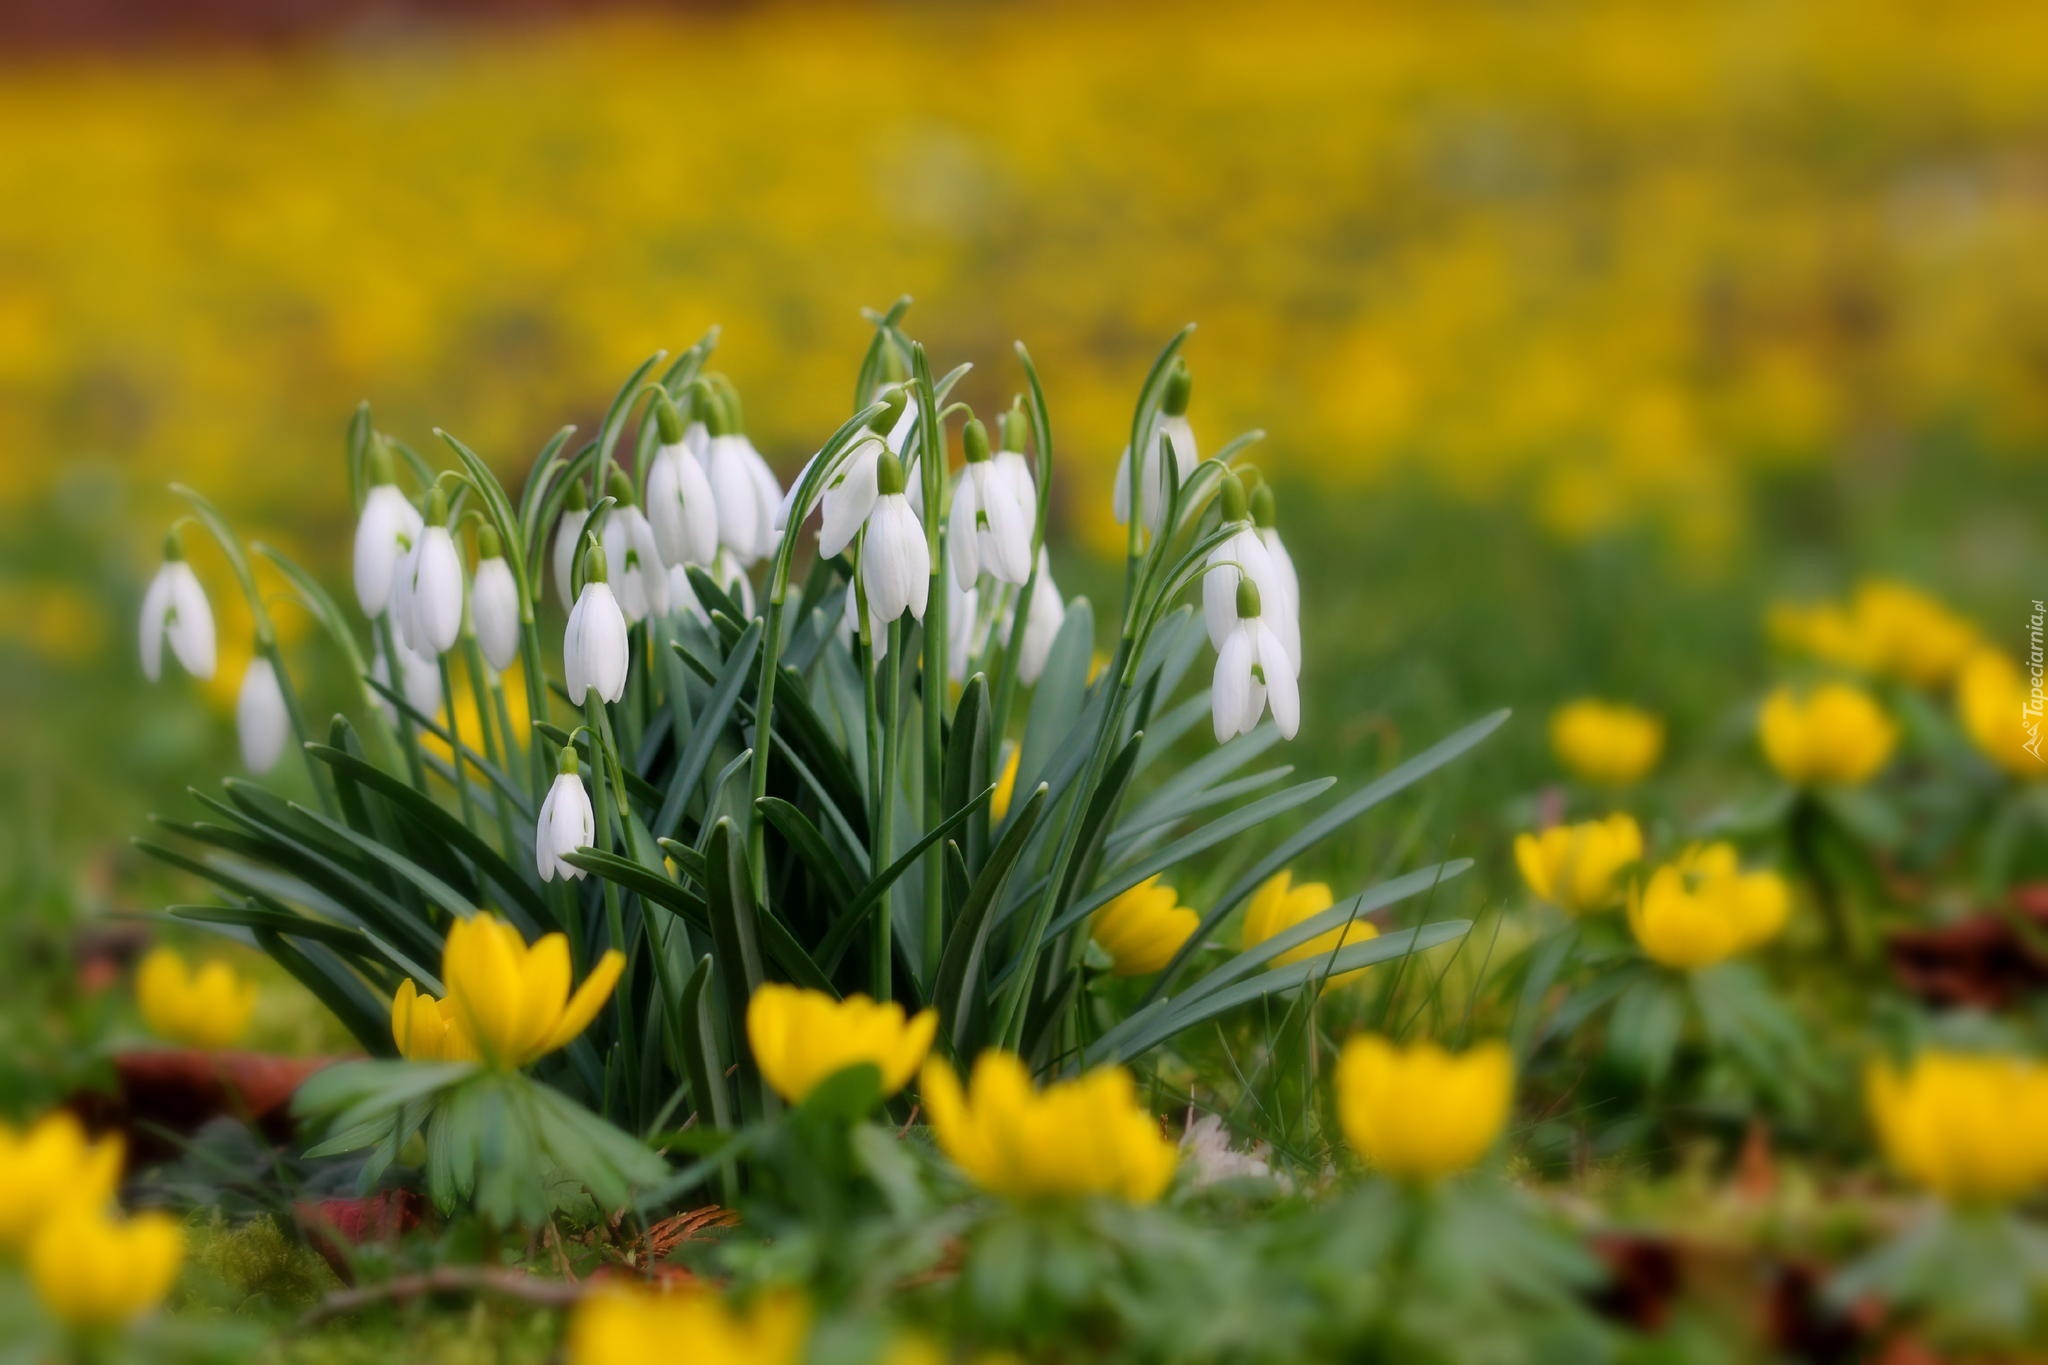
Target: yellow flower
1702,908
91,1270
1823,630
1971,1128
1086,1136
1420,1112
207,1008
1909,634
508,1003
1835,733
619,1324
424,1028
1579,868
1278,905
1606,742
51,1163
1991,697
801,1038
1006,785
1143,928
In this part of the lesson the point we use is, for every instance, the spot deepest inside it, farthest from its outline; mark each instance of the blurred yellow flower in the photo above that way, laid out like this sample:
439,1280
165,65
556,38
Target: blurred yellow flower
508,1003
206,1008
1606,742
1702,908
1006,784
468,719
1420,1112
94,1271
1971,1128
1086,1136
1992,699
1579,868
423,1028
1887,627
1278,905
801,1038
1834,733
1142,928
49,1164
620,1324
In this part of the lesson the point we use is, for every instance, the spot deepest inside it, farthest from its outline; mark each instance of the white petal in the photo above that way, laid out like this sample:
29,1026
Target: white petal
596,651
767,493
568,535
261,721
848,498
962,545
437,592
543,847
420,676
1005,543
1230,689
680,508
190,630
156,605
1042,626
891,555
388,526
1282,691
494,612
734,492
1120,491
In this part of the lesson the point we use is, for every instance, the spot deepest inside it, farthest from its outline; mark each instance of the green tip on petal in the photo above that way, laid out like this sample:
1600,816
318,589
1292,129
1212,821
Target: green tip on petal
380,468
974,439
1247,598
488,545
578,500
1234,506
888,474
437,506
620,487
593,565
668,419
1015,427
885,420
568,764
1179,385
1264,513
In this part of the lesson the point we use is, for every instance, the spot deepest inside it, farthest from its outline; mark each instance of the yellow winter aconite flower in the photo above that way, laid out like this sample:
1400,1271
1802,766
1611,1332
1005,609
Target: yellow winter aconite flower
1702,908
1086,1136
1887,627
93,1271
1992,697
1579,868
1006,785
1420,1112
50,1164
1971,1128
801,1038
508,1002
619,1324
1278,905
206,1008
1834,733
1606,742
1143,928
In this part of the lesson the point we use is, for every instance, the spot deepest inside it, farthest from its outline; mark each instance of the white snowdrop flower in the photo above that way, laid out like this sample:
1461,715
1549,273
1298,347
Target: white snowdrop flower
175,608
419,682
1042,625
385,532
984,532
639,578
680,507
1285,582
1013,471
682,596
566,823
1242,555
568,536
849,625
1172,430
494,602
431,620
743,488
595,650
261,721
895,561
849,495
1252,673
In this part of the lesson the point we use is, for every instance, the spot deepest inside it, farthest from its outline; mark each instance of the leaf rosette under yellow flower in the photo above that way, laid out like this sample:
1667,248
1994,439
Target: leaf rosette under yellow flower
207,1007
508,1002
1142,928
619,1324
94,1271
1605,742
1971,1128
1581,868
1075,1138
50,1164
1278,905
1703,908
1420,1112
802,1038
1832,734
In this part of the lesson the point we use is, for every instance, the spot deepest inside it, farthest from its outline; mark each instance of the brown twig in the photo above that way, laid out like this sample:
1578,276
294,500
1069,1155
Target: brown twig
510,1284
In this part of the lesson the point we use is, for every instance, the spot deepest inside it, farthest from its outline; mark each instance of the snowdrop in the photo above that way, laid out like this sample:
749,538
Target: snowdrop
494,602
261,721
743,488
1013,471
568,536
895,561
385,534
1285,581
175,609
849,625
1172,429
419,682
429,599
680,506
1042,625
566,823
642,581
1243,556
986,534
851,491
595,651
1252,673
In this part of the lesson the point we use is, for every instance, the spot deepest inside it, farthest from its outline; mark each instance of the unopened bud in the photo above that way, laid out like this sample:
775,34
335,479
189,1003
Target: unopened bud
1179,384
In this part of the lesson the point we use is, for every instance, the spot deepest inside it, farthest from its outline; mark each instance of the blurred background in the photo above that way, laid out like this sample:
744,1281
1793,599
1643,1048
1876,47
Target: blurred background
1580,332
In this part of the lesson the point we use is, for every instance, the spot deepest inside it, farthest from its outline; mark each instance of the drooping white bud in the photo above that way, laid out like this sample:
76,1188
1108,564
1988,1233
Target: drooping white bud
261,721
984,533
895,561
567,823
1253,672
385,534
1042,626
595,648
175,609
494,609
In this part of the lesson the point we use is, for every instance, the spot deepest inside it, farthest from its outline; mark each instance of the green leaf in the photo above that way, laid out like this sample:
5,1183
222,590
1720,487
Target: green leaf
956,988
690,764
